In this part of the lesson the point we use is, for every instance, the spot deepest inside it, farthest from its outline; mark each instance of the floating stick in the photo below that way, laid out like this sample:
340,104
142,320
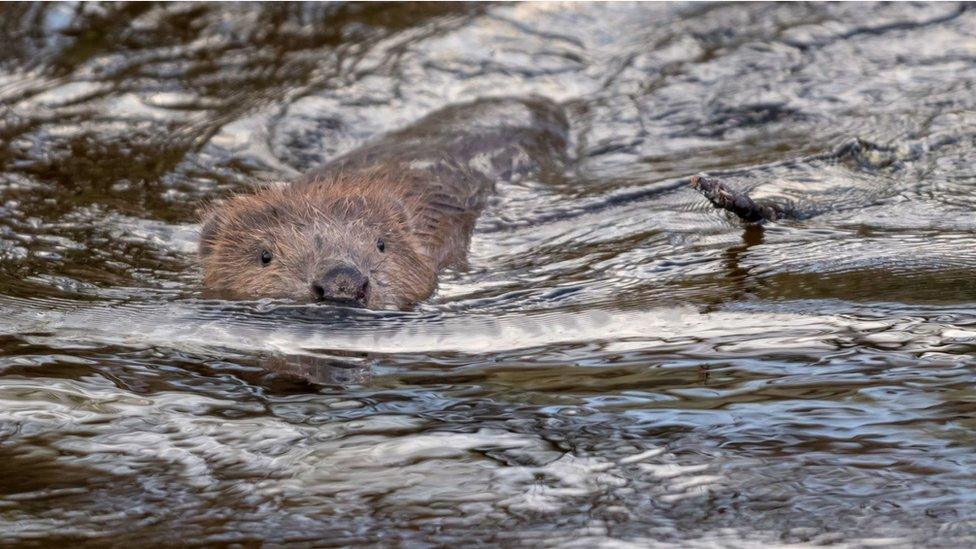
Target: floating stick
737,202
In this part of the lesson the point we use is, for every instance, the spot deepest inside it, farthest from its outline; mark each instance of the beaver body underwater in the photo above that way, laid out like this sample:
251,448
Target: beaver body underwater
374,227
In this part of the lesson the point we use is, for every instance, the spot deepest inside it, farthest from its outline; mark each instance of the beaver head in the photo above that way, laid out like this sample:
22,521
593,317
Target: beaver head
342,244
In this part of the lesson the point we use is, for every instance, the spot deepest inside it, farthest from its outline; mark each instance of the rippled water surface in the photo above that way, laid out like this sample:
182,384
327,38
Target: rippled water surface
619,365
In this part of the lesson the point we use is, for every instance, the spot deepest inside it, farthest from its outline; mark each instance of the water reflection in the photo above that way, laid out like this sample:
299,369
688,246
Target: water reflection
740,286
320,370
619,363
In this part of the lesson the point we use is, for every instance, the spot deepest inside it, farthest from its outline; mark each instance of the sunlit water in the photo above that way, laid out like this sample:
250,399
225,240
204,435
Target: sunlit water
620,365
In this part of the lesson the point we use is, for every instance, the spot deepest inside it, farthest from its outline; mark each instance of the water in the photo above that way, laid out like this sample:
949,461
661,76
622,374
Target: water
620,365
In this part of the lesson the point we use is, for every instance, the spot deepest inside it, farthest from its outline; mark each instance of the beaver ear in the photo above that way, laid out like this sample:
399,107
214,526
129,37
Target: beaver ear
208,231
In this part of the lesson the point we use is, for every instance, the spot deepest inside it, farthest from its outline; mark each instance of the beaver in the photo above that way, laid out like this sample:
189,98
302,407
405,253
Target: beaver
374,227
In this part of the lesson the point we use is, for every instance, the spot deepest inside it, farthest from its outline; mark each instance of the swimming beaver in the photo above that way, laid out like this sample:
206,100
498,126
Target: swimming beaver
373,228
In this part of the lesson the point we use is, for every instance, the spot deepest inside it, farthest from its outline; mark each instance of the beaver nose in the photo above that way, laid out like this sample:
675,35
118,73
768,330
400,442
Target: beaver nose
342,285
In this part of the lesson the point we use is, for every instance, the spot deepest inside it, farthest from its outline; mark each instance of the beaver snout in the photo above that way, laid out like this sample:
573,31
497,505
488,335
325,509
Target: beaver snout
342,285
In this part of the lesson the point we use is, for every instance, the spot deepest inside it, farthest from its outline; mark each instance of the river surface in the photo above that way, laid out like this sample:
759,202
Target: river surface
620,365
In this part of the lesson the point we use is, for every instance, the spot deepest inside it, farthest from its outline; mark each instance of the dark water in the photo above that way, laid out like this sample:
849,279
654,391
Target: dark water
620,366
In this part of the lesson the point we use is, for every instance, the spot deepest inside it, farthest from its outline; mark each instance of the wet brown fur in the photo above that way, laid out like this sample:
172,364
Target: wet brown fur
309,226
420,189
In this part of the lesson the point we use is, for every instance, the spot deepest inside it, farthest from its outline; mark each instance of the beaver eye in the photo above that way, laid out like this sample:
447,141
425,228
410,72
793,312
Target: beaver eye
265,257
380,245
